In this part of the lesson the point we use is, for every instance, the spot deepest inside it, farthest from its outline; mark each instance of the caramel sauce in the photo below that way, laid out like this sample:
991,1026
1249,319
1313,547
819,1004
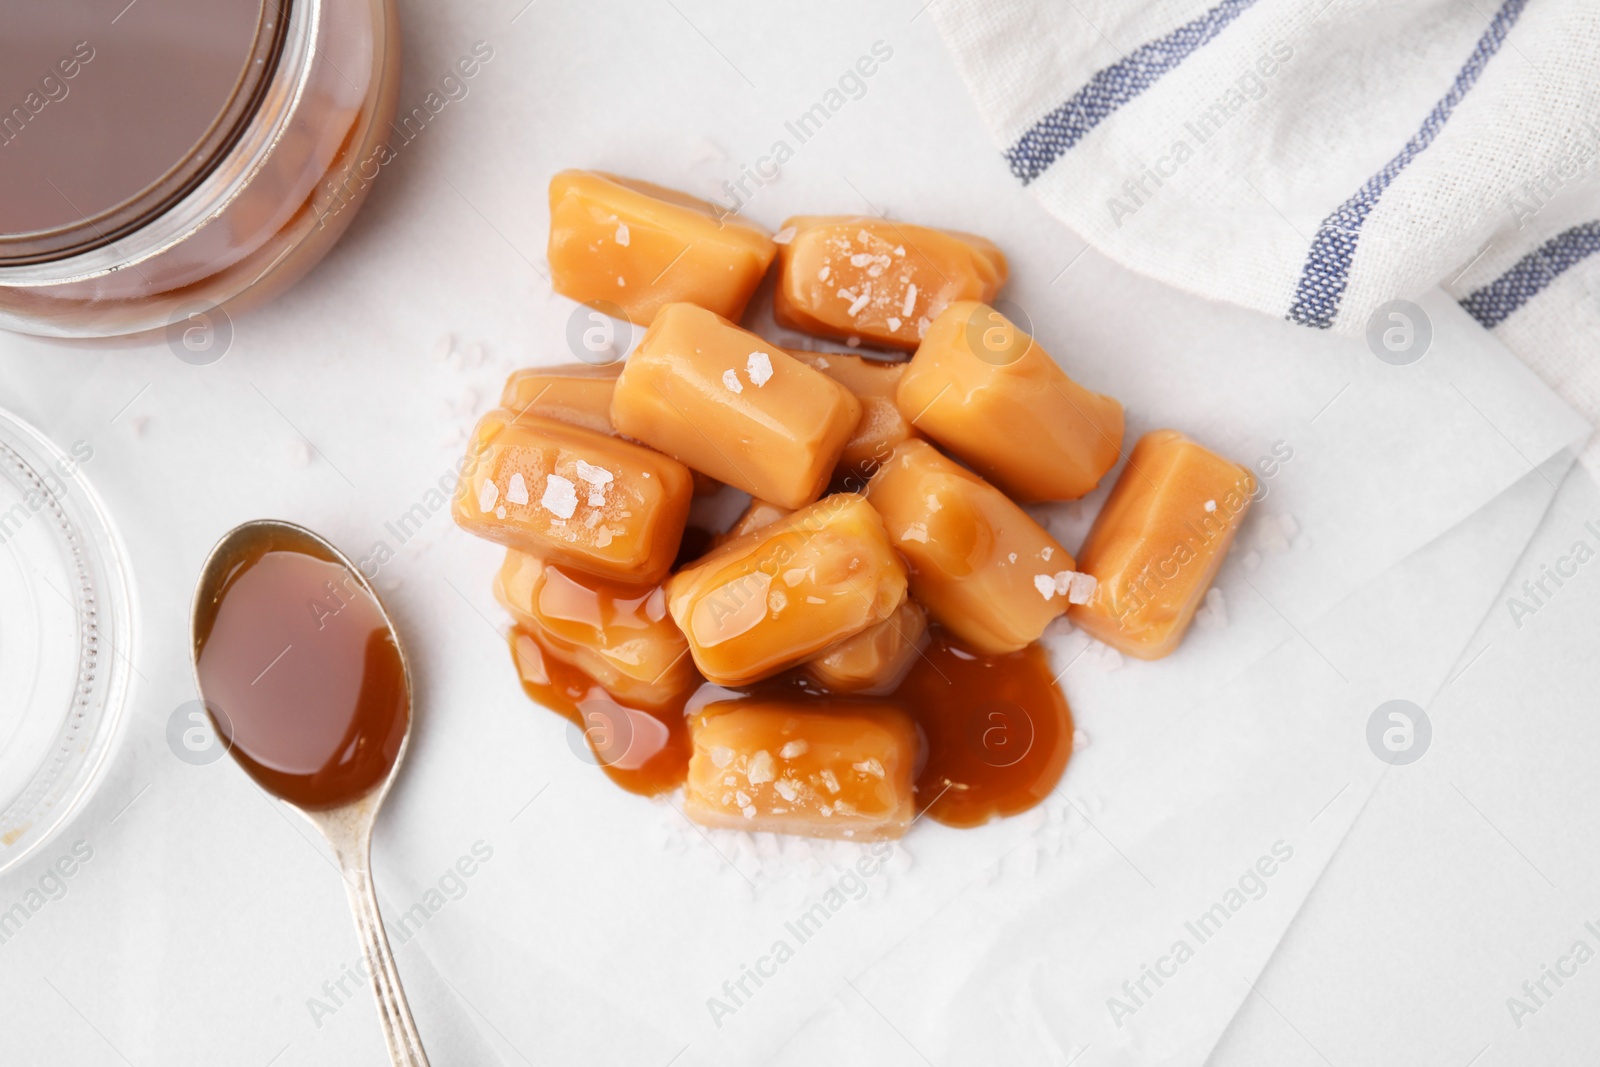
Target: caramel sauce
997,732
644,750
301,673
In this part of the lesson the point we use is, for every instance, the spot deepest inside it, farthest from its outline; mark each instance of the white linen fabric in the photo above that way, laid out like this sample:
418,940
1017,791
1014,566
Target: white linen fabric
1316,159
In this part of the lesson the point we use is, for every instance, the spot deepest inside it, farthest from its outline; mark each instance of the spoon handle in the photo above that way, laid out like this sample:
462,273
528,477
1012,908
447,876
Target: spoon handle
353,846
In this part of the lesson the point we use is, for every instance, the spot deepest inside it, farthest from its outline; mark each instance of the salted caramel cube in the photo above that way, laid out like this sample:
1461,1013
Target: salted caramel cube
573,497
725,402
984,570
993,397
580,394
620,635
877,658
777,596
791,767
881,427
574,392
876,280
618,243
1158,542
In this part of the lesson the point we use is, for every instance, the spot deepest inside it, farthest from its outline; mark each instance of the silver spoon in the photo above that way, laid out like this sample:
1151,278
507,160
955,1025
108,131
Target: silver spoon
347,828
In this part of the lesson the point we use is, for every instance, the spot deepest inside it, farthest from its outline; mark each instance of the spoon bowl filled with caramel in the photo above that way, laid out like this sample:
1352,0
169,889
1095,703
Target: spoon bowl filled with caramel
306,682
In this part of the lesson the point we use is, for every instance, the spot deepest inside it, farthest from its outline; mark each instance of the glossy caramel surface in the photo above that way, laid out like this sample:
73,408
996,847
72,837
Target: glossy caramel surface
625,245
780,762
980,565
576,393
777,596
574,497
1158,542
621,635
301,674
876,280
644,750
990,395
724,401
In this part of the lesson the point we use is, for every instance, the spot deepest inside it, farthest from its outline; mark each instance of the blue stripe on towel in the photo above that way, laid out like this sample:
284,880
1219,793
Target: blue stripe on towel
1327,269
1112,87
1494,303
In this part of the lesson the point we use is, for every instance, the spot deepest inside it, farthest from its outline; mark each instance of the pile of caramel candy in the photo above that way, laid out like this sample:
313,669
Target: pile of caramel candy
884,491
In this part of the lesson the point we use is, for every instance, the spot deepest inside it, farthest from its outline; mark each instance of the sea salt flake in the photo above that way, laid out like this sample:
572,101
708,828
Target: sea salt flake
786,789
730,378
861,259
893,323
822,275
560,496
500,512
910,302
1081,591
761,768
517,490
869,766
759,367
748,811
783,236
622,237
721,755
792,750
829,779
1211,505
742,797
1045,584
860,302
488,493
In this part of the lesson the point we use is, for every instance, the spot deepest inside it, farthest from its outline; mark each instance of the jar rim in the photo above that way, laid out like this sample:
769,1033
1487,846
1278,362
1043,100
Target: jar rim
73,241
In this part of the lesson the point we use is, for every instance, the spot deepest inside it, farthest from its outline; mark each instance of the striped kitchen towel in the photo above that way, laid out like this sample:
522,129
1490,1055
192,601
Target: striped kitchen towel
1316,159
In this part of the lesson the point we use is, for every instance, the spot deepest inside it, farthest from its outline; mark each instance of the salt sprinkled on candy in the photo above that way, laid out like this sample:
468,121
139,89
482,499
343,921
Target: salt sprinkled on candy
488,493
560,496
1211,505
1082,588
1045,584
730,378
761,768
517,490
759,367
794,749
783,236
622,234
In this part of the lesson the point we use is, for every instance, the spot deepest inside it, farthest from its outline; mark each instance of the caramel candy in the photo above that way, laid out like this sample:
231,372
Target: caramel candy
1156,545
574,392
984,569
994,398
573,497
620,635
777,596
877,658
728,403
759,513
637,246
792,767
881,426
880,281
577,393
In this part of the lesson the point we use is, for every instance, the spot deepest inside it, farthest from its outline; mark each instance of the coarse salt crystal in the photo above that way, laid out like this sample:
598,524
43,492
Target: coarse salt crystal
622,237
730,378
786,789
910,301
517,490
721,755
560,496
893,323
860,302
1082,589
861,259
488,493
1045,584
822,275
759,367
869,766
1211,505
829,780
793,749
761,768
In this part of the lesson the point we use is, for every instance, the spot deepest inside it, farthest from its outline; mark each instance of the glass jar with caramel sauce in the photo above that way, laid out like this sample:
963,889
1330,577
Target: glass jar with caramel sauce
162,158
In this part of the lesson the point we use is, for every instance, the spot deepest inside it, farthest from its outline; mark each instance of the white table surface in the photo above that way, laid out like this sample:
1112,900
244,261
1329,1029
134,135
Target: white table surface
1465,874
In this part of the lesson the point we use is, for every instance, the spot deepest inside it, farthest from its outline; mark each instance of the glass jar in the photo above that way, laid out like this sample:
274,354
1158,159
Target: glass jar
276,142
